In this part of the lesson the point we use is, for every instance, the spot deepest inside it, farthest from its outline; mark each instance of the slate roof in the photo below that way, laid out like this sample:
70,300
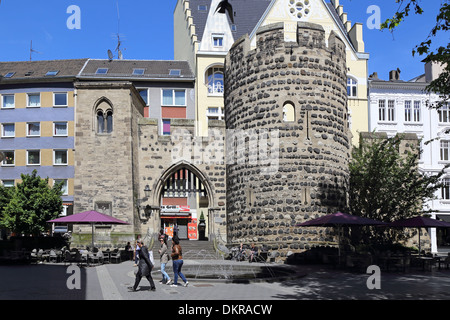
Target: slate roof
34,70
247,13
152,69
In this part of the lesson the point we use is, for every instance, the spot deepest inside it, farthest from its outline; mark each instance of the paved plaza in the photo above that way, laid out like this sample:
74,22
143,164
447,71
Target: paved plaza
310,282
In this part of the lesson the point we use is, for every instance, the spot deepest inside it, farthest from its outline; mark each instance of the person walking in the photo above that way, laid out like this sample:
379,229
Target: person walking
177,258
144,268
164,259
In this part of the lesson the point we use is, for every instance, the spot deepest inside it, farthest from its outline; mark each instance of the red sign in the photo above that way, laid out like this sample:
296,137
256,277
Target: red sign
192,229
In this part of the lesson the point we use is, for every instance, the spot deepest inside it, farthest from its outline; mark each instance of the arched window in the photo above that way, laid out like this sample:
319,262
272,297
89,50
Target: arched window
214,80
288,112
351,87
104,117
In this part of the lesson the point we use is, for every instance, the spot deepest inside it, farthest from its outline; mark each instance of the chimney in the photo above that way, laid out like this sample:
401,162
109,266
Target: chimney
394,75
433,70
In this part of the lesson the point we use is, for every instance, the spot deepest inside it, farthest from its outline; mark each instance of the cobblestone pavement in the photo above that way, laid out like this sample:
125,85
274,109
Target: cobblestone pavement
111,282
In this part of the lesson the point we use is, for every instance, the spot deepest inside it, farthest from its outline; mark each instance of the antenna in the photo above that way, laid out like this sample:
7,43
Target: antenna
31,49
119,52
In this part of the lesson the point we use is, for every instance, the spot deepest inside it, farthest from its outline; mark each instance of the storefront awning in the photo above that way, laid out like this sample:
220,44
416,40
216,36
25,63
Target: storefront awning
175,217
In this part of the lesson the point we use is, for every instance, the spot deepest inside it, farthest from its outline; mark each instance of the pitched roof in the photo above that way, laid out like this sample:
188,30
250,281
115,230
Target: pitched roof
34,70
138,69
247,13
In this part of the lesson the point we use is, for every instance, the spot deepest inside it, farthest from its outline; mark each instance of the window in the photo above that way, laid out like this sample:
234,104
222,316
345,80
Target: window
391,110
445,190
33,129
102,71
33,157
351,87
214,78
8,130
173,97
34,100
144,95
8,101
9,158
60,129
416,111
288,112
214,113
8,183
233,27
382,110
60,157
52,73
65,186
408,111
9,74
444,114
138,71
202,8
174,72
217,40
445,148
104,121
166,127
60,99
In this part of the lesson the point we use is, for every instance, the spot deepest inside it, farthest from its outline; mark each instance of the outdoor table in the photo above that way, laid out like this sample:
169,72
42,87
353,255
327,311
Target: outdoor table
426,261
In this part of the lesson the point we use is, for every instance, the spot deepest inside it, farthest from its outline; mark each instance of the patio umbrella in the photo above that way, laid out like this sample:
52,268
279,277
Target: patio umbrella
339,220
419,222
88,217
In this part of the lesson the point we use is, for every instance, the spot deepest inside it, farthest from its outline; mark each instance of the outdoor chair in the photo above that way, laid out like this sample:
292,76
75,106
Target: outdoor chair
67,257
115,255
93,258
52,256
34,256
100,256
444,262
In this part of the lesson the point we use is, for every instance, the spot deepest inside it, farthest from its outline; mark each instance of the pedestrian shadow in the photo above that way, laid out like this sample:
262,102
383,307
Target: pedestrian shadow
43,282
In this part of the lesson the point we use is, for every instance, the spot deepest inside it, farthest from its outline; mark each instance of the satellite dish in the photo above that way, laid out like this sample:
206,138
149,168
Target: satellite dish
110,55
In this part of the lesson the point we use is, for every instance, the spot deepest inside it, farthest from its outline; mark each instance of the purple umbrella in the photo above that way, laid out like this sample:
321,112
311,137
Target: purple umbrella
88,217
419,222
340,220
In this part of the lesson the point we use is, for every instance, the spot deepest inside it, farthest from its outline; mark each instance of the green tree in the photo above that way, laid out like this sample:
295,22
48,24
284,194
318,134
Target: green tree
385,184
31,204
440,55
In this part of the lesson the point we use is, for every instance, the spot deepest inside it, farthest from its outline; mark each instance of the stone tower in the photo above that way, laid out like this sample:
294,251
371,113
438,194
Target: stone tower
288,137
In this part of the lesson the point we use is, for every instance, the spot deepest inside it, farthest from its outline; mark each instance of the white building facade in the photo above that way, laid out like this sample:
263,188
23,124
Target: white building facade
397,106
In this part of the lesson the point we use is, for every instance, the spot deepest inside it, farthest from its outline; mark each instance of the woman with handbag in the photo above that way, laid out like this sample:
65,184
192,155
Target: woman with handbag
177,258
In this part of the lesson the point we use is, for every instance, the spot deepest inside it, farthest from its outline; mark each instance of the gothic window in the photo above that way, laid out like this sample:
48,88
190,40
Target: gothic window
104,118
299,8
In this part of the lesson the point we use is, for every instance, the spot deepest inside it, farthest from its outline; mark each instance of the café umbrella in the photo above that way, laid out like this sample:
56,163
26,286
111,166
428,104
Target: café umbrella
419,222
340,220
88,217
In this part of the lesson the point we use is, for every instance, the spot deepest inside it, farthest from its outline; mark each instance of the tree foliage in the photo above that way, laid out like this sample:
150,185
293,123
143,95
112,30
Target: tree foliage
440,55
385,184
27,207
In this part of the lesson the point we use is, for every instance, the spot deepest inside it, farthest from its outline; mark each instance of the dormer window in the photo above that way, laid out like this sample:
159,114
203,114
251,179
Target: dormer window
52,73
138,72
175,72
102,71
217,40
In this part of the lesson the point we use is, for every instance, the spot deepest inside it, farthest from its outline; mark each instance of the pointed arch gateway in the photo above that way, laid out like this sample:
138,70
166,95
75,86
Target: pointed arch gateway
183,193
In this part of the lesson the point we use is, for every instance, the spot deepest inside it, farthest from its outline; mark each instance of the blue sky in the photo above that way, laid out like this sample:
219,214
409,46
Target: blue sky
146,28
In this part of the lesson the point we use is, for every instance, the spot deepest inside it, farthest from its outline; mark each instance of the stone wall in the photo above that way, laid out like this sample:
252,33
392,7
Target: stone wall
309,153
105,178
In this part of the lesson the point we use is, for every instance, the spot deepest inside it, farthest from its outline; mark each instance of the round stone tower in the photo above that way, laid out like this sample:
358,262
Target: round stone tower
288,142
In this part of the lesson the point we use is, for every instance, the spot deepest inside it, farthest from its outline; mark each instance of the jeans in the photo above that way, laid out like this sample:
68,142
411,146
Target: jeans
164,273
177,264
